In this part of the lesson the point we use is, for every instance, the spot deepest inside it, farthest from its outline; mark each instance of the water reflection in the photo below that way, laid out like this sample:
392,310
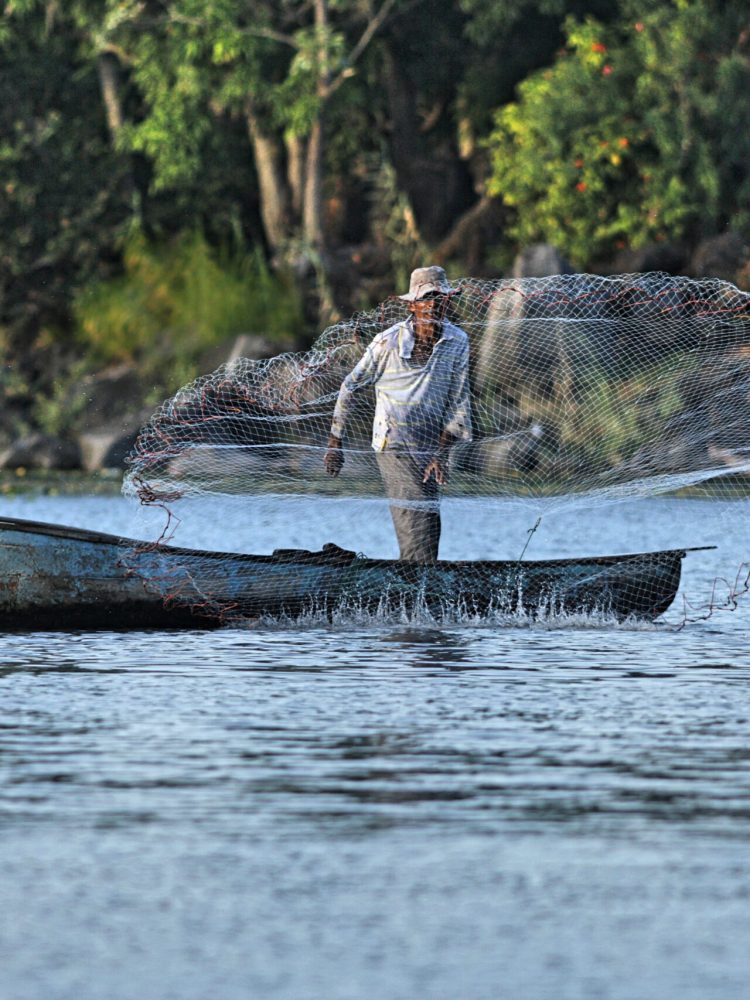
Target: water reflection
380,743
425,647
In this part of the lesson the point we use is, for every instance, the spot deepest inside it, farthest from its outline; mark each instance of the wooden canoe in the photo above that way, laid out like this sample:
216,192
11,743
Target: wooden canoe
56,577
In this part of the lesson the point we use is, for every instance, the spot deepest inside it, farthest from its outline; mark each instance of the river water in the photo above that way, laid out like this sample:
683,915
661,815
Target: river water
385,809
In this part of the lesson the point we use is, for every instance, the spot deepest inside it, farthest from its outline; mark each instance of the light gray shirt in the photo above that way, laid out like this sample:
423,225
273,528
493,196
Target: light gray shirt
414,404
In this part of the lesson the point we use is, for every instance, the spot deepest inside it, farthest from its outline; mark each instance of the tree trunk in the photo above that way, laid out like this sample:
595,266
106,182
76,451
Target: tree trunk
109,81
312,215
274,195
428,169
295,172
470,234
313,207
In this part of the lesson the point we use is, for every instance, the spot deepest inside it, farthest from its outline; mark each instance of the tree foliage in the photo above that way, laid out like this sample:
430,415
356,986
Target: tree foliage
61,186
272,125
637,133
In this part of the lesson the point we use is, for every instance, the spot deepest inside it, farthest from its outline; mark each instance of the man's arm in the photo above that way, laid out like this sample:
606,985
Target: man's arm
333,460
457,425
363,374
457,418
438,465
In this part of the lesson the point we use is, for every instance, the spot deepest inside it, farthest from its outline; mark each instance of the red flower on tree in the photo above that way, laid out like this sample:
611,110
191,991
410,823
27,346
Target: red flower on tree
581,186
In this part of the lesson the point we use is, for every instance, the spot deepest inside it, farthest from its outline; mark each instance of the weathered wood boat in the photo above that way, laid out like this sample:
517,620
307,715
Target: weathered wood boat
56,577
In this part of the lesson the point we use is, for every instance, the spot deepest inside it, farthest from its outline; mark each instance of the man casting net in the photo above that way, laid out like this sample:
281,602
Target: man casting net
460,404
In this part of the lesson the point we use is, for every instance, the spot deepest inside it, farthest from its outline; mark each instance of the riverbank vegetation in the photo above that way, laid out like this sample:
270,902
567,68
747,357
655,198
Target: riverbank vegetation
175,302
175,174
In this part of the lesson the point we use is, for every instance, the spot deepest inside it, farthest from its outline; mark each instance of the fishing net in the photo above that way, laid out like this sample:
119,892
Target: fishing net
564,404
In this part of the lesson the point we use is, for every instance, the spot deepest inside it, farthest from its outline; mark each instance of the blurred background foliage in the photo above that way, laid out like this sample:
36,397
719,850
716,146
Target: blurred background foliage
175,172
174,302
638,132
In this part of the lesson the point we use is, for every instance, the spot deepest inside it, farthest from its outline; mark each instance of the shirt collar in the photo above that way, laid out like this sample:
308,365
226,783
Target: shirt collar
406,337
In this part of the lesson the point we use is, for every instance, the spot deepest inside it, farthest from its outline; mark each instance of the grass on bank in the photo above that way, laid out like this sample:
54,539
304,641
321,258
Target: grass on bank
176,301
22,482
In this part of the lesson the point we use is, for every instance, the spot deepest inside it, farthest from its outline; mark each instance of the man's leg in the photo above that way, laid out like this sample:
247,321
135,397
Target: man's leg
417,520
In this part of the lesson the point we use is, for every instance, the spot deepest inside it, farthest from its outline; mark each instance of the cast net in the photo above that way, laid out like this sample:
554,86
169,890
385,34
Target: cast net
574,416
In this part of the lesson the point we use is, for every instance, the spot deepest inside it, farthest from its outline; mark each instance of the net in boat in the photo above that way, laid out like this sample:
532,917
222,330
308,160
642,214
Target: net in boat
566,403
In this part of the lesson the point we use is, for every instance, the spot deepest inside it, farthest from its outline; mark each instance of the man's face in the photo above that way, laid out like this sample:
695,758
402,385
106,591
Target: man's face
430,309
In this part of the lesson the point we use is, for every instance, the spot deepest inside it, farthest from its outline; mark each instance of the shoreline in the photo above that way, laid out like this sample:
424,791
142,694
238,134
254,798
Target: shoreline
35,482
108,482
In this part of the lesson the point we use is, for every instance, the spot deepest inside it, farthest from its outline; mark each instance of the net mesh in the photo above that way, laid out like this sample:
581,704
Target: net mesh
541,399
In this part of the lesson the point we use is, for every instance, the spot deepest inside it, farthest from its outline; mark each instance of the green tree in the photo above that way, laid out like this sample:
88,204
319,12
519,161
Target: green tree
63,190
71,186
637,132
443,69
276,65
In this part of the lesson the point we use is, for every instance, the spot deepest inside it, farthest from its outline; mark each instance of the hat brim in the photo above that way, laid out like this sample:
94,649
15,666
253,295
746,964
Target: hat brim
414,297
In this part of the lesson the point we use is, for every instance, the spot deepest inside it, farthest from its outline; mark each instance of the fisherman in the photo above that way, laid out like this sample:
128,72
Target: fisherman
420,370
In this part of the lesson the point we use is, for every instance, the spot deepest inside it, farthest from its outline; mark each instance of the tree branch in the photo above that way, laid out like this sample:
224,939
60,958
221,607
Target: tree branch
270,33
452,243
374,25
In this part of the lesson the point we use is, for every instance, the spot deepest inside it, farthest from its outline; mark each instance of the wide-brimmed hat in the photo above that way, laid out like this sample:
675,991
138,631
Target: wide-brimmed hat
425,280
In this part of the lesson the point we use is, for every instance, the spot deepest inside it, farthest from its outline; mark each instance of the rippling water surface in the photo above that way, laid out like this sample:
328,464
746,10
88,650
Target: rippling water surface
384,811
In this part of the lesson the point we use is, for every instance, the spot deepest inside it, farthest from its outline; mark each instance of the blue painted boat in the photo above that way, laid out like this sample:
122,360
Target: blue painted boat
56,577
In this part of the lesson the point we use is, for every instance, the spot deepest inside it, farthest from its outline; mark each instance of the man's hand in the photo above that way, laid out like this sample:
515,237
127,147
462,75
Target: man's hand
333,460
437,468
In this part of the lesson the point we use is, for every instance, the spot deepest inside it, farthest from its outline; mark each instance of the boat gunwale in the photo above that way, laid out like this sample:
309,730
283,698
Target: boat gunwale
307,558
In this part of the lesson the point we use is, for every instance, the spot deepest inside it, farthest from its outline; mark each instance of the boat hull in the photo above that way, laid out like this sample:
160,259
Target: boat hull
55,577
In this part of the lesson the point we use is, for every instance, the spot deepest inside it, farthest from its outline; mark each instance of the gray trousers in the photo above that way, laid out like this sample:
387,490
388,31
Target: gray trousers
417,519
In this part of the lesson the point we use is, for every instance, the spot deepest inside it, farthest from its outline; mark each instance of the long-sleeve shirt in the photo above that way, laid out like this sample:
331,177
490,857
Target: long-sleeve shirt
414,404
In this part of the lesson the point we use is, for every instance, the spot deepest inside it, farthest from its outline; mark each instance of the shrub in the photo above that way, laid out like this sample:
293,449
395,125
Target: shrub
175,302
635,134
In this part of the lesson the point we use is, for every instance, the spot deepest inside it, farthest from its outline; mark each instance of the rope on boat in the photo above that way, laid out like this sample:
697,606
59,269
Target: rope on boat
530,533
